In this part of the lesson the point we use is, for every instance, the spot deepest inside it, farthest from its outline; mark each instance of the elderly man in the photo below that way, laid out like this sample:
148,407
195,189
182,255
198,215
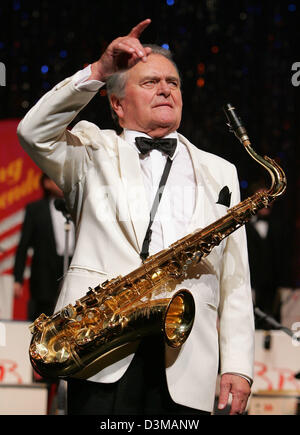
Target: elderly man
110,182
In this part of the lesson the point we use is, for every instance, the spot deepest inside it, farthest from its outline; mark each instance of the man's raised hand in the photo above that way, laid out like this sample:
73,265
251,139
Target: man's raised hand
122,53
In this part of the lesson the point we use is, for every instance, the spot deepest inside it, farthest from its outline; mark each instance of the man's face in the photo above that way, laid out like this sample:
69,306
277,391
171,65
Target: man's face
152,103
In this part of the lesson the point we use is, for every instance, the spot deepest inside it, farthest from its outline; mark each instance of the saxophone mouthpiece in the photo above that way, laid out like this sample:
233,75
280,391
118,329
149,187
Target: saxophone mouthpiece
235,124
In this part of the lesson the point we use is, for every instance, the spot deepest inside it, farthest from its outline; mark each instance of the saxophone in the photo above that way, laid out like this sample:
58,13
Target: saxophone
122,310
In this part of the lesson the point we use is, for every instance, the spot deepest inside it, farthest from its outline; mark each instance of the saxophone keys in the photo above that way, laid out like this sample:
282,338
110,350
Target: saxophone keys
156,275
34,353
90,291
84,336
68,312
39,323
41,350
92,317
62,355
197,256
92,302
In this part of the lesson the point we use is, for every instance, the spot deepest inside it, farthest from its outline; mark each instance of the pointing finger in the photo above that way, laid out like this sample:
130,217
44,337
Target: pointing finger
139,28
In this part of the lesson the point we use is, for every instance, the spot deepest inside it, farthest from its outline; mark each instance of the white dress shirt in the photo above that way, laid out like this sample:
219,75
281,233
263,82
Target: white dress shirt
178,200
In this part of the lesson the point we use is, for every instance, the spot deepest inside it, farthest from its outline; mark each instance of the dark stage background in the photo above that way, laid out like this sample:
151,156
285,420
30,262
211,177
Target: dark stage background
228,51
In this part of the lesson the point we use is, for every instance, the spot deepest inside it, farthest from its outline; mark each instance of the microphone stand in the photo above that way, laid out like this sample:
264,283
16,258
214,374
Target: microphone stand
277,326
67,227
60,205
271,321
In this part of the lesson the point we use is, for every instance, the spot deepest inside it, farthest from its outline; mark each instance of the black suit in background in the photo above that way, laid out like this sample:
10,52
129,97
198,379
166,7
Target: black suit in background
270,264
47,266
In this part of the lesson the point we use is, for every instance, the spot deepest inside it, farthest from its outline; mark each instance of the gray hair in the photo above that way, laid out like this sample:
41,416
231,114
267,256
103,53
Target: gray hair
115,84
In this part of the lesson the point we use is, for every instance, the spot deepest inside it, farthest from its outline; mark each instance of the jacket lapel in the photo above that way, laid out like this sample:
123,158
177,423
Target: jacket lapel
131,177
206,210
202,204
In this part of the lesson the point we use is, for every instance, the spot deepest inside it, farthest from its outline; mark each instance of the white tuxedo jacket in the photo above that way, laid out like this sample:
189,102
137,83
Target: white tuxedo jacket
101,178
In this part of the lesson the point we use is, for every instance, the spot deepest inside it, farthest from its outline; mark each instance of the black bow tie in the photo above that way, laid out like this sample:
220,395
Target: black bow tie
145,145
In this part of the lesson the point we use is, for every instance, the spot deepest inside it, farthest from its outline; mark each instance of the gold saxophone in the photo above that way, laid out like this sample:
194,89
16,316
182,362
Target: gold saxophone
124,309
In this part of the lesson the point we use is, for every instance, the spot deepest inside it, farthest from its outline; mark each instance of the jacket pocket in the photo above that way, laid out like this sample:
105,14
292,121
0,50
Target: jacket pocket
211,306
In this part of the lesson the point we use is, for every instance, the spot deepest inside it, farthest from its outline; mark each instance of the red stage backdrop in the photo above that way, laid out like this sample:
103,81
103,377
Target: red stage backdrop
19,184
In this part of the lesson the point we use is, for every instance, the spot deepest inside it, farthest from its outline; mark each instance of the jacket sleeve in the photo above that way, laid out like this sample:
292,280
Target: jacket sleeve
62,154
236,319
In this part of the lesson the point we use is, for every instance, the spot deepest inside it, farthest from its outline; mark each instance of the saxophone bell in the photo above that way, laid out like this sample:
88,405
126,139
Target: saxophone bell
179,318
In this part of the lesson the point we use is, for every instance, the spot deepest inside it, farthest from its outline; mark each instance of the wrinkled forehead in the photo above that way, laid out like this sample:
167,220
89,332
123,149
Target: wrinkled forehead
157,65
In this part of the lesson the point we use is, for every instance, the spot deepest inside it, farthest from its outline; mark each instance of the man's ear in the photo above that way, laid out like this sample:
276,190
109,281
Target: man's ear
116,106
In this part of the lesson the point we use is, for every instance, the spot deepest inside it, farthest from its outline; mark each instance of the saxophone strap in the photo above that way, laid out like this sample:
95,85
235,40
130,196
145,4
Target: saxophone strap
163,181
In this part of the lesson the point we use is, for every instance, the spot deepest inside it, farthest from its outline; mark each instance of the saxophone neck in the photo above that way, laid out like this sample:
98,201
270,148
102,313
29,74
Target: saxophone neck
278,178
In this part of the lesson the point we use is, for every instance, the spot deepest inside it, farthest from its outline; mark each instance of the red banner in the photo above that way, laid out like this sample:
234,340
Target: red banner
19,185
